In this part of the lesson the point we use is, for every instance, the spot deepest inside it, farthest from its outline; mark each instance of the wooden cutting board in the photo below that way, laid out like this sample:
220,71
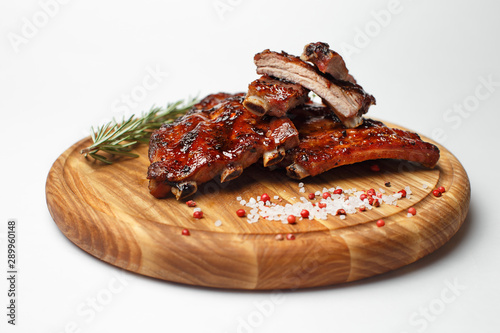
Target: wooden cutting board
108,212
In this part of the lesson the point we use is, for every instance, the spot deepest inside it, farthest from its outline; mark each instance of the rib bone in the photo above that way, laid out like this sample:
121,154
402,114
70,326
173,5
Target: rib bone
231,172
184,189
273,157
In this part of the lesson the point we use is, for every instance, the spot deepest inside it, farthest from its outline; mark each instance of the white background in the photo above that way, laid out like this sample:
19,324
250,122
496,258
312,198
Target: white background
423,60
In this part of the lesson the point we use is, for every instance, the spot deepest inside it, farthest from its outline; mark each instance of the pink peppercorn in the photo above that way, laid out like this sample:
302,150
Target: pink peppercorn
265,197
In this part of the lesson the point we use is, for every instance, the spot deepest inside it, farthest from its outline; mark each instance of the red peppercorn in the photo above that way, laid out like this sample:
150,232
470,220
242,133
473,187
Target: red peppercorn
341,212
279,237
304,213
403,193
379,195
326,195
412,211
362,208
441,189
241,212
191,203
436,193
380,223
370,192
376,203
290,237
265,197
311,196
363,197
371,200
338,191
185,232
375,167
198,214
290,219
321,205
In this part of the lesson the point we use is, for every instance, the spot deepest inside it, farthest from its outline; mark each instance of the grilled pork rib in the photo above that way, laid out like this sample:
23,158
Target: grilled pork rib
349,101
327,61
218,136
275,97
325,143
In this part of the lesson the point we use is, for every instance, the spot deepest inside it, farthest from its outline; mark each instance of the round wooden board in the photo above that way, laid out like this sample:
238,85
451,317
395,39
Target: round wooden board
108,212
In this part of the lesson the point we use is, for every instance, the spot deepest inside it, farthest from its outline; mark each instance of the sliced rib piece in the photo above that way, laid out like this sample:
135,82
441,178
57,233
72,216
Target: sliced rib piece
349,101
218,136
325,143
273,96
327,61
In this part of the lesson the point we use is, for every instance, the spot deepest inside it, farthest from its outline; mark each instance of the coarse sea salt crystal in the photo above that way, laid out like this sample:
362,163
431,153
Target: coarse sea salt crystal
408,190
197,209
239,198
276,197
424,186
409,215
302,190
218,223
349,201
301,184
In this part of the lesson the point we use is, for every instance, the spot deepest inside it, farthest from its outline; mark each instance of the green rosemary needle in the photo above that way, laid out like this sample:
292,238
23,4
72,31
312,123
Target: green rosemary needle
119,139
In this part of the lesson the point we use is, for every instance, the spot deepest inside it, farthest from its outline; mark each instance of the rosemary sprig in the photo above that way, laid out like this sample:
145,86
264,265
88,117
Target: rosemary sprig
119,139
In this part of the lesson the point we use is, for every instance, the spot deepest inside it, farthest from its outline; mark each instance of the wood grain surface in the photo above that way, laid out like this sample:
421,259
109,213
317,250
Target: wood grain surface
108,212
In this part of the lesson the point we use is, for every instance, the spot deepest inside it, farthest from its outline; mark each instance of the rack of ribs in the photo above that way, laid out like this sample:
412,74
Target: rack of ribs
275,120
217,137
346,99
327,61
268,95
326,143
